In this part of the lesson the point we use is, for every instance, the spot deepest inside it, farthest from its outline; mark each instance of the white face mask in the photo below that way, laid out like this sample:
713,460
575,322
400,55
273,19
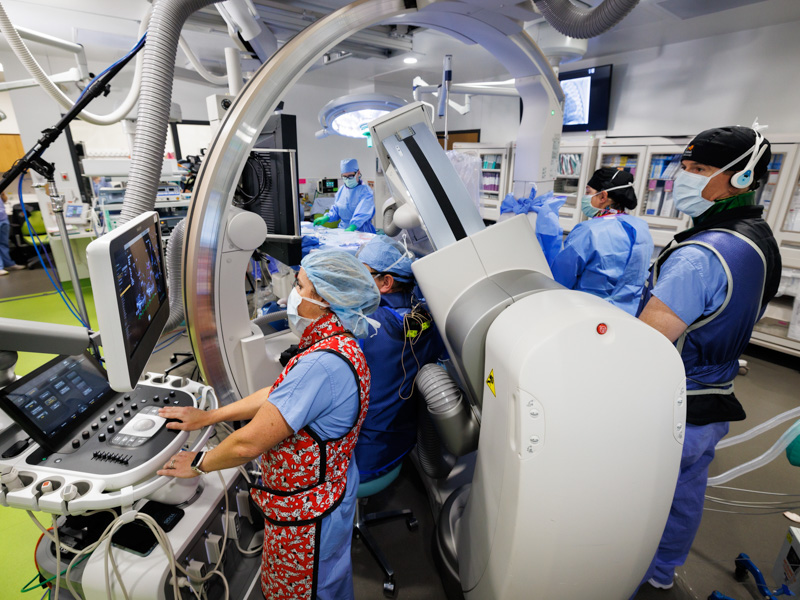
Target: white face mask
297,323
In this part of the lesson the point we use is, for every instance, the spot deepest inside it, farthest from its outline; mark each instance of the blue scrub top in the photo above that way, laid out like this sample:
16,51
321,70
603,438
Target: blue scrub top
321,392
390,428
692,283
354,206
608,257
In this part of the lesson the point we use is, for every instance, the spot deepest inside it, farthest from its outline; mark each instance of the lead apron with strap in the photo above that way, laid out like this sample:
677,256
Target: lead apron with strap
710,347
307,478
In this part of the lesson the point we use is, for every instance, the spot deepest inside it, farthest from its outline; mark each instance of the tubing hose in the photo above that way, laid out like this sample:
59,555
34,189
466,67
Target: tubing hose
158,69
389,227
787,438
32,66
759,429
450,412
435,460
570,20
174,259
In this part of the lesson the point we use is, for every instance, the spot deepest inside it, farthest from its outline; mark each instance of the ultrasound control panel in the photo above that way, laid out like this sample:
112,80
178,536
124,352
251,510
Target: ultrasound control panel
127,431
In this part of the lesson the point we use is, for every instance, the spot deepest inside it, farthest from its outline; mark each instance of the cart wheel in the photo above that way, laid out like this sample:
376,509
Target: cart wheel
412,523
174,359
744,370
389,588
741,575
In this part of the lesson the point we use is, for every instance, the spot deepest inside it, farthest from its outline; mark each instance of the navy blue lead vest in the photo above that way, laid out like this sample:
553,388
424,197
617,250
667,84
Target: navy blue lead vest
711,346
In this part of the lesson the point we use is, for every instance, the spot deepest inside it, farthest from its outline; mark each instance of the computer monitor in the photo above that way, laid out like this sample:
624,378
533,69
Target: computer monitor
129,282
587,94
76,214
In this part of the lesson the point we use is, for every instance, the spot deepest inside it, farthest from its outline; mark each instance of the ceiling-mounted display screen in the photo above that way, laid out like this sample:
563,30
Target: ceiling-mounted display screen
586,98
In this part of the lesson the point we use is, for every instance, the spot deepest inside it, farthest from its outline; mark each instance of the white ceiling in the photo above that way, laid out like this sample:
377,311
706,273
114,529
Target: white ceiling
108,27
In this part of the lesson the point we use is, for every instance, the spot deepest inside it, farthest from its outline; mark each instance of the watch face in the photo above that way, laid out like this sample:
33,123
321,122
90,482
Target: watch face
198,457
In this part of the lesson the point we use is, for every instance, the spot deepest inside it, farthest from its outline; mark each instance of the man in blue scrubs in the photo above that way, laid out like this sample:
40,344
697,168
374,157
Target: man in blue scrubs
706,291
406,341
354,205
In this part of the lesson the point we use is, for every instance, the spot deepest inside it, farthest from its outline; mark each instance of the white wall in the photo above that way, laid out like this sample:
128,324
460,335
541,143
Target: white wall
683,88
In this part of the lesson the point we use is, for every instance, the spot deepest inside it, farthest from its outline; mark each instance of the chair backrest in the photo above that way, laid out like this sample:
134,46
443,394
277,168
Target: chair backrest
36,222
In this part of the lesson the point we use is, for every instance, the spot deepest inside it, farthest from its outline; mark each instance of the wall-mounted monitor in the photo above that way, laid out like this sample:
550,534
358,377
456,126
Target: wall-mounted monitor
129,281
587,93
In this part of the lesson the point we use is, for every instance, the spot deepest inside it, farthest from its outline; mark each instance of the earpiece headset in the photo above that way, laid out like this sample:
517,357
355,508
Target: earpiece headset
744,178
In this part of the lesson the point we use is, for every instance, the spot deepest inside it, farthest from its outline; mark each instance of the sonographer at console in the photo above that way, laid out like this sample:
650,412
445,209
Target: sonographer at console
304,428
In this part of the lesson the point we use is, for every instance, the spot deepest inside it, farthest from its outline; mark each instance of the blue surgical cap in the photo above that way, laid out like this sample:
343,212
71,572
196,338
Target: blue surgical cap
385,255
344,283
349,165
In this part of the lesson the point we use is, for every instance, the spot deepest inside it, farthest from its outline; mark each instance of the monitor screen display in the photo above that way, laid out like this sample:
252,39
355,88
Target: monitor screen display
140,283
73,211
586,98
55,400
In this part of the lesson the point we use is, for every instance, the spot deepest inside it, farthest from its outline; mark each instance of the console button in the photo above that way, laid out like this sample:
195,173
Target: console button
85,434
103,418
101,437
76,443
95,426
127,413
110,429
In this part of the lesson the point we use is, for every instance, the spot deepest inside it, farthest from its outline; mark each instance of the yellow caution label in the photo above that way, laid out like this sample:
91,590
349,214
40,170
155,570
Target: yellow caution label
490,382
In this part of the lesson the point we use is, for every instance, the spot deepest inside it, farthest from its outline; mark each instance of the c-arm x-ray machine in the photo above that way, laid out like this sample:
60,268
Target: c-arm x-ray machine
573,411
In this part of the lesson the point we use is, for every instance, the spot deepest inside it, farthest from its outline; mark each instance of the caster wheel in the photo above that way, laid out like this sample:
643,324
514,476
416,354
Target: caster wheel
744,370
741,575
173,359
389,588
412,524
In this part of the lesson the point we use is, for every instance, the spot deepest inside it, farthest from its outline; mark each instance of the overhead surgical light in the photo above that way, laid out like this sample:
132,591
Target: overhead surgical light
410,60
350,115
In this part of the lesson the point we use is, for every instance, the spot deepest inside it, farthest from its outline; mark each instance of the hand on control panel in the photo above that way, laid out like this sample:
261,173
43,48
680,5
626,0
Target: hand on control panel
180,465
185,418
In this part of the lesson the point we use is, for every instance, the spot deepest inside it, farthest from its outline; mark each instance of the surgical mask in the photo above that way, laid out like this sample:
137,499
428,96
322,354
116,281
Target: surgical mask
586,206
687,191
297,323
350,182
586,202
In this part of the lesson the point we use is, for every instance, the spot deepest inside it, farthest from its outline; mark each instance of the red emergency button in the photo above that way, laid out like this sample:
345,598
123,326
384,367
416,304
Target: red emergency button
602,328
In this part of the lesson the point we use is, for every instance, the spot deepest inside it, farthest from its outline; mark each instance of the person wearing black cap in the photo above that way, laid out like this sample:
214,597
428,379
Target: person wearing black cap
705,292
608,255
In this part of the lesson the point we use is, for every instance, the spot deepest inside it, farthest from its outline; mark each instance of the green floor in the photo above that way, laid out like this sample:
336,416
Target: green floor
19,535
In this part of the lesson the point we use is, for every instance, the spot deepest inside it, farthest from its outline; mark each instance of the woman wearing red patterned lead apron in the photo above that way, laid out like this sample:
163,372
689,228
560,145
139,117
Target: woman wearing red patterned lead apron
304,428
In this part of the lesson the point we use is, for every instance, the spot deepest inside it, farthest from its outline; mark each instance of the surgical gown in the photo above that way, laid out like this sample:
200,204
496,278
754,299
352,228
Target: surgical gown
608,257
320,392
354,206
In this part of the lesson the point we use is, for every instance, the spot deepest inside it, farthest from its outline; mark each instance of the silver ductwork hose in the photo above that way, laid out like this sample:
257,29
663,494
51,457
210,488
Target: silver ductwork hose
434,459
449,410
158,70
174,259
389,228
570,20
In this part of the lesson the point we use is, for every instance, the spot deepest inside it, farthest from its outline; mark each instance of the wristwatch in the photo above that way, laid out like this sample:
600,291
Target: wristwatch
198,459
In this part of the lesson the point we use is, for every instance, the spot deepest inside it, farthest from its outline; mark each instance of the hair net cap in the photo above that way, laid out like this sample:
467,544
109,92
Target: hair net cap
344,283
349,165
611,177
385,255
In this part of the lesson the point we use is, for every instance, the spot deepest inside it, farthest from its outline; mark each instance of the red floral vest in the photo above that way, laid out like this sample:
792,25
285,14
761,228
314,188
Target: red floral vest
306,478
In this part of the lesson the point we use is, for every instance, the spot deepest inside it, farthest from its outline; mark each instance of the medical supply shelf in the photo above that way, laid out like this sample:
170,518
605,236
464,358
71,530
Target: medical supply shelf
576,160
496,174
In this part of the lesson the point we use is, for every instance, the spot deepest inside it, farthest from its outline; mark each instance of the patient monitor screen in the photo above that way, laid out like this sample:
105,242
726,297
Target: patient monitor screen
140,284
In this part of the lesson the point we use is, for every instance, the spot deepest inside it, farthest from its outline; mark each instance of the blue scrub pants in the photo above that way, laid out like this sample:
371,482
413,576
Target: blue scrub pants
687,504
5,257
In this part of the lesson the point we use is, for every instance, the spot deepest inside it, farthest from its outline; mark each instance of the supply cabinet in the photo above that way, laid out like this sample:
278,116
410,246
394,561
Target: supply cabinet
576,159
495,177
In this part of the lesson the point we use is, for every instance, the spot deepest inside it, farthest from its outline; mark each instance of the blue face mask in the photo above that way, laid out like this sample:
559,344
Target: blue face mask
587,208
687,193
350,182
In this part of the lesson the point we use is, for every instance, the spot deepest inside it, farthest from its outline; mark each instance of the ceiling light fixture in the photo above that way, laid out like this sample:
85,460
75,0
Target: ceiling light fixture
350,115
410,60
